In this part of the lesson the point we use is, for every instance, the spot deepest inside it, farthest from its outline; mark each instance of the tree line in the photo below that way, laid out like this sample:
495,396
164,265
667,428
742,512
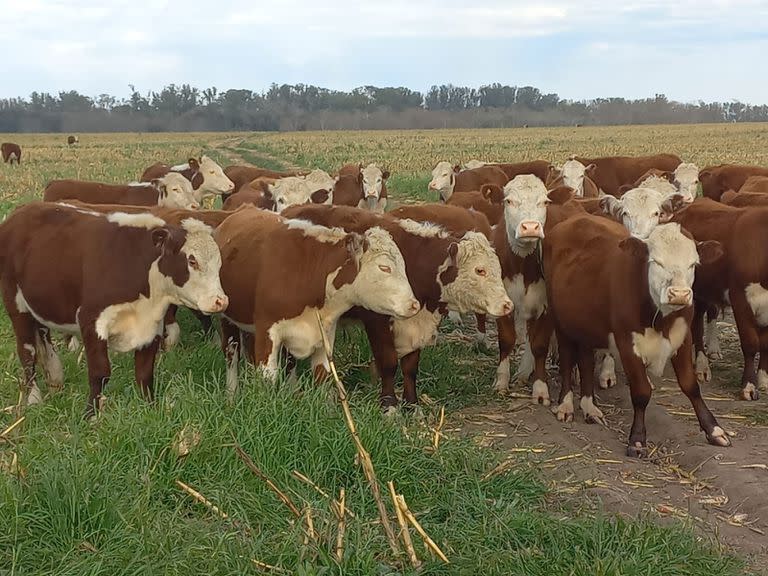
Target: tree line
307,107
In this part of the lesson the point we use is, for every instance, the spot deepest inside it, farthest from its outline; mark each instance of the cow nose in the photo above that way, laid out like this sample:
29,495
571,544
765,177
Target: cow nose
530,229
432,186
221,303
414,307
679,296
507,308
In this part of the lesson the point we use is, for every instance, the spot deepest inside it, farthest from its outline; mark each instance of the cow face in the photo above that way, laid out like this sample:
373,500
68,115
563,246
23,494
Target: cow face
687,181
319,180
573,173
289,191
193,265
671,258
471,278
641,210
214,179
381,284
175,191
525,212
373,180
443,180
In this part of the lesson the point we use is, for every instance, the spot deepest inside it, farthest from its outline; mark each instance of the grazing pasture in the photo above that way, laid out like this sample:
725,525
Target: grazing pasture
501,486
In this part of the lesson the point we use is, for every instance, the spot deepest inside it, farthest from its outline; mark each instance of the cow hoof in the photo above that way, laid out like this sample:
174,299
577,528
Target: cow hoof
172,335
389,411
718,437
501,387
703,373
750,392
592,414
540,393
564,411
607,381
637,450
607,373
34,397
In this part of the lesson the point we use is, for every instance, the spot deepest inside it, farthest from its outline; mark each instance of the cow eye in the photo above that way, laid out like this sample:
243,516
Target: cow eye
384,268
656,214
211,172
193,262
481,271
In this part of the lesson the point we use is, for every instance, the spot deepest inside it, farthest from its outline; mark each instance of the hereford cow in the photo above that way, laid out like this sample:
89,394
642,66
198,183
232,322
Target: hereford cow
374,188
642,209
489,200
609,290
447,179
258,198
109,278
612,172
72,140
449,270
578,176
348,190
294,190
241,175
755,185
717,179
171,190
686,178
312,269
206,176
11,152
743,199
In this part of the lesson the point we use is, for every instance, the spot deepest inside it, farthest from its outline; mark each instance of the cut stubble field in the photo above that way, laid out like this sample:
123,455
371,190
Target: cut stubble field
509,490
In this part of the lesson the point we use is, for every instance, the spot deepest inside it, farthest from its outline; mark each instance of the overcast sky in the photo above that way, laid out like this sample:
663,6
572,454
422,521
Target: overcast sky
687,49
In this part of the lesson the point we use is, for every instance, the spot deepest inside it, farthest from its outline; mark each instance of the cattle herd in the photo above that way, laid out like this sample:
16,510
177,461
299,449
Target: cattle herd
595,261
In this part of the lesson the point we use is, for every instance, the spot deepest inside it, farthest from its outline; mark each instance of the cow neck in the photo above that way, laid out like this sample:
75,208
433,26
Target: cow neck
337,301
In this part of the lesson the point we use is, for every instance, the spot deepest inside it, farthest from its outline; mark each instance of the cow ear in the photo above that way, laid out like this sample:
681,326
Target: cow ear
704,174
193,163
672,205
710,251
320,196
634,246
493,193
561,194
611,207
160,186
360,178
160,237
384,174
728,196
624,188
590,169
355,244
457,168
453,253
668,176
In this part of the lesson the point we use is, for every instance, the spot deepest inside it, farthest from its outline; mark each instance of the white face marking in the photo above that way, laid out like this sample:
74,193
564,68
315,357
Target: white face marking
147,221
177,192
372,181
319,233
319,180
214,179
202,290
416,332
443,180
672,259
525,212
478,286
654,349
573,175
638,209
757,298
687,180
290,191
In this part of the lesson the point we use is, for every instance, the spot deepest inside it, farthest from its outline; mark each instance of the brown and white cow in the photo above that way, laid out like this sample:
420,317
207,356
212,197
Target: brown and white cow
280,272
578,176
717,179
72,140
250,195
640,210
296,190
11,153
449,270
489,200
374,188
612,172
686,178
241,175
607,289
171,190
206,176
56,274
447,179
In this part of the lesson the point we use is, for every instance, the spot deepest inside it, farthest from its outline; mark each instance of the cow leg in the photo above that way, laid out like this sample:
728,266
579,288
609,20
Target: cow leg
72,342
144,368
640,391
750,341
507,338
539,336
382,340
409,364
230,344
266,354
172,331
586,359
686,379
99,369
713,341
762,372
25,329
49,358
703,372
567,350
481,337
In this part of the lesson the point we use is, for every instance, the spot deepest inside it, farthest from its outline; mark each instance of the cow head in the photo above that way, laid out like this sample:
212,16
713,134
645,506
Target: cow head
373,179
175,191
641,209
686,178
493,193
574,173
444,179
191,259
289,191
660,183
381,284
525,212
319,180
671,257
470,278
215,182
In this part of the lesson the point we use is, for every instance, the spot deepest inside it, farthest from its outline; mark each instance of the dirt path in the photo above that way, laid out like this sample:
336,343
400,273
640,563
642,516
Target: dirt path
722,491
231,149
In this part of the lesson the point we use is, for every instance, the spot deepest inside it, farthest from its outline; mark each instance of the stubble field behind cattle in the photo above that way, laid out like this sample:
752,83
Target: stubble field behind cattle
509,490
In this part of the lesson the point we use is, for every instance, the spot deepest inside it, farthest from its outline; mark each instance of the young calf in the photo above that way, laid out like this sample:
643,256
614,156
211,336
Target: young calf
607,289
109,278
279,272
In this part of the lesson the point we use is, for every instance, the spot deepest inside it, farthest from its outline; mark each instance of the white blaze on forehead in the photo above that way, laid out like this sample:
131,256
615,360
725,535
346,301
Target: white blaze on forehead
478,286
661,185
672,258
290,191
525,201
203,288
573,175
443,179
640,209
319,180
687,180
373,178
316,231
147,221
423,229
178,192
214,179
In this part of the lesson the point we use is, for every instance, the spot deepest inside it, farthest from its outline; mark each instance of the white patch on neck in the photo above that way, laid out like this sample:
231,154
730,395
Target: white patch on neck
180,167
416,332
423,229
148,221
319,233
140,185
757,297
654,349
